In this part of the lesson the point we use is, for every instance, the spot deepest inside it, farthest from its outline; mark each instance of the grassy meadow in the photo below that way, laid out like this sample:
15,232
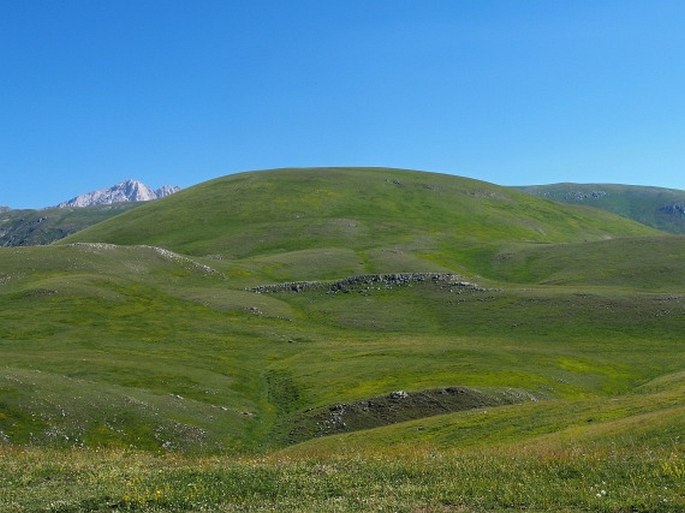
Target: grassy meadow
140,373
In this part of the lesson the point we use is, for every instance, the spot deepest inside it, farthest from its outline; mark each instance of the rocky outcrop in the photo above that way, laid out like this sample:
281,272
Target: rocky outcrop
576,196
398,406
676,209
368,282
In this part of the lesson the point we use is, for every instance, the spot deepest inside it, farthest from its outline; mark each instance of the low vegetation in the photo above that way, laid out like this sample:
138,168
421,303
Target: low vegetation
573,478
497,353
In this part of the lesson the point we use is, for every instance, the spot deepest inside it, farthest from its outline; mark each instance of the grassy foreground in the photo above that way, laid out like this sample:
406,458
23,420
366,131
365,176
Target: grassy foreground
537,479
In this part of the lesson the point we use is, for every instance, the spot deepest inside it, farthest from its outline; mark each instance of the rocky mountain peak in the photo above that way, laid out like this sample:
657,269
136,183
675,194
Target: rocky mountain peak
128,190
167,190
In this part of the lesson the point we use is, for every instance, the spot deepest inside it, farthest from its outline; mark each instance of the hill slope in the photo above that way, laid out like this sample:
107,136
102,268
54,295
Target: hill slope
653,263
352,220
118,346
654,206
552,382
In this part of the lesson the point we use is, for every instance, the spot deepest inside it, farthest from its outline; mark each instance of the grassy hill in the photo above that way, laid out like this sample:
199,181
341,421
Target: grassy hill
654,206
38,227
351,220
495,352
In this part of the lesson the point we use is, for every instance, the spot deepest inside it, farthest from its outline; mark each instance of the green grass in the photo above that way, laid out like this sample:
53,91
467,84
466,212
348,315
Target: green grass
568,479
111,323
135,379
648,263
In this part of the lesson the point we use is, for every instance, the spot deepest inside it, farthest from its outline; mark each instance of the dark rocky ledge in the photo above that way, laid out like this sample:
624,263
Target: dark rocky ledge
398,406
370,281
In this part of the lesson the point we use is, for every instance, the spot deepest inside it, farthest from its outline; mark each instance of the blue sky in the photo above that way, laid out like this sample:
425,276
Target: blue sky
509,91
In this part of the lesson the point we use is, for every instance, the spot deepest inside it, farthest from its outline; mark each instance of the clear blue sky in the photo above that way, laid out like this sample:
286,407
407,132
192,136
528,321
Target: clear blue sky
509,91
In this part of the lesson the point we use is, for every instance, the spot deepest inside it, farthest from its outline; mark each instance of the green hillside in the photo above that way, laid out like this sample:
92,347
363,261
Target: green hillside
653,263
38,227
351,220
654,206
345,340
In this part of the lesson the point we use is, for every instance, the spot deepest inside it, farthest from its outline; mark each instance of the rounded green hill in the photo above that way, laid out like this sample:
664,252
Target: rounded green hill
428,219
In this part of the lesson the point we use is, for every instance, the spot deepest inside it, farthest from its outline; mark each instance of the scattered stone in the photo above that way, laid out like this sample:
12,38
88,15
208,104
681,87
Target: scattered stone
163,252
174,436
92,245
170,255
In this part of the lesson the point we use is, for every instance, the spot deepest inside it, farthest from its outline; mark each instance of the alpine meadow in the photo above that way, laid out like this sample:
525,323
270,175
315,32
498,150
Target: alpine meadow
345,340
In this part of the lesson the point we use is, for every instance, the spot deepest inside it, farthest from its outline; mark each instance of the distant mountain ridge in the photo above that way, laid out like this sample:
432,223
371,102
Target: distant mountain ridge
654,206
34,227
123,192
